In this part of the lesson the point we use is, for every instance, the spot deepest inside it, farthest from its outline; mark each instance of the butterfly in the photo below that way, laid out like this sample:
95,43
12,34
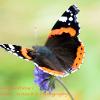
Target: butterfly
62,53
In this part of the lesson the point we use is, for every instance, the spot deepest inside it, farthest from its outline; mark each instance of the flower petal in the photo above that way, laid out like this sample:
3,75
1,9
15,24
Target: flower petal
44,80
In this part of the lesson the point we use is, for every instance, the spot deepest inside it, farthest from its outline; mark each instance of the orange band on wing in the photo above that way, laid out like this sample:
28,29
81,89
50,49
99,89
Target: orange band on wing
24,53
52,72
79,57
68,30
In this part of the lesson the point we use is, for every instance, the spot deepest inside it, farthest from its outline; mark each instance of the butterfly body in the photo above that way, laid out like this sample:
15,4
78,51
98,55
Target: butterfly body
45,57
62,54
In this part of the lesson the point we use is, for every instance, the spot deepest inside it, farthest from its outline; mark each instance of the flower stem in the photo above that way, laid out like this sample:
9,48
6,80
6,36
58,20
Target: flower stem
70,95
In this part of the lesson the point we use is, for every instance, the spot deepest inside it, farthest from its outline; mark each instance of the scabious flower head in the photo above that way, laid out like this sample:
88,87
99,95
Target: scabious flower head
45,81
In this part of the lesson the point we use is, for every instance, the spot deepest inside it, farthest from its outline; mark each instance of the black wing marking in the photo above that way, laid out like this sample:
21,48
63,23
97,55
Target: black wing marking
68,19
18,51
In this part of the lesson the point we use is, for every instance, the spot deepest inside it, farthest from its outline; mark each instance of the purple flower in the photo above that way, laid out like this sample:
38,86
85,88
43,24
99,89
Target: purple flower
45,81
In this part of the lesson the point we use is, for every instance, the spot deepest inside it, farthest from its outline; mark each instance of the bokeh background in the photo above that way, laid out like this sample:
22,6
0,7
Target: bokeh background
27,23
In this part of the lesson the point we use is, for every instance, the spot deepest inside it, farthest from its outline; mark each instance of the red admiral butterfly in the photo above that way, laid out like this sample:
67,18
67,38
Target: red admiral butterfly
62,53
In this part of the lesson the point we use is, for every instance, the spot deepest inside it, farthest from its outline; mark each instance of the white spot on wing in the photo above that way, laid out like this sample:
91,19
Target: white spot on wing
68,23
71,14
7,48
12,50
71,19
3,45
11,46
63,19
68,10
79,30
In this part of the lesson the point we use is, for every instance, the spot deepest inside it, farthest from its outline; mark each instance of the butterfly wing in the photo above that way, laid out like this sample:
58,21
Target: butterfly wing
67,23
23,53
63,40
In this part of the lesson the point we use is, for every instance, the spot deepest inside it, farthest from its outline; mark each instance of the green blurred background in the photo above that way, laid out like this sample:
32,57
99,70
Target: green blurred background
27,23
